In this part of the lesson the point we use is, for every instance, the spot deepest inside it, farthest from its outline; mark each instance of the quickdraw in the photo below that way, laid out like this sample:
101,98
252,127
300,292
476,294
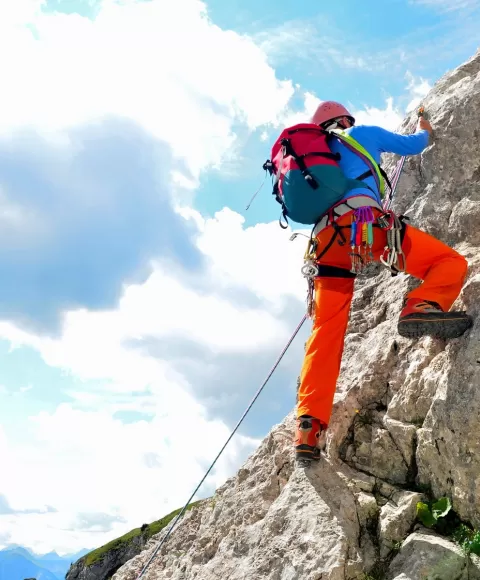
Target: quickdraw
393,256
310,270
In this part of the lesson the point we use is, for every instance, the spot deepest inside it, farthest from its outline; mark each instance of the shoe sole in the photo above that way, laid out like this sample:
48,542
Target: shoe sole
305,453
447,325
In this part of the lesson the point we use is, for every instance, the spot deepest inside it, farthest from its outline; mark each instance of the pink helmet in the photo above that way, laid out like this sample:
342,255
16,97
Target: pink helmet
329,110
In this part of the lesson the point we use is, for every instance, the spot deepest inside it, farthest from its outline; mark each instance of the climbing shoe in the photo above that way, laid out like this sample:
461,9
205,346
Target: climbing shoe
423,318
307,439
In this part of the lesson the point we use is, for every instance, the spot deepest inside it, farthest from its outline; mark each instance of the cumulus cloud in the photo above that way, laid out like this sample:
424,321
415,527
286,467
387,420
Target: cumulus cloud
390,117
100,133
165,66
92,467
418,88
151,300
88,218
168,352
448,5
6,509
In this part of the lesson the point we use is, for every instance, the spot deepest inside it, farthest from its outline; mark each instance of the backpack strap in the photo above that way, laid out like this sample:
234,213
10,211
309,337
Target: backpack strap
368,173
354,146
299,160
270,167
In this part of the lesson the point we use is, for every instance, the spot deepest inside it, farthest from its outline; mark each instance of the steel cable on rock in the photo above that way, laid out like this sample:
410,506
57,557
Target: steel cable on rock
257,394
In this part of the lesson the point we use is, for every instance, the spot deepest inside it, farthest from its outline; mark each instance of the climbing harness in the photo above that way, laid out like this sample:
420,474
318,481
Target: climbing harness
257,394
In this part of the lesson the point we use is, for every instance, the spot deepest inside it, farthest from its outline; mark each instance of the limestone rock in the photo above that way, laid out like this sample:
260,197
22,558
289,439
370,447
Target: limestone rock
425,556
397,517
405,417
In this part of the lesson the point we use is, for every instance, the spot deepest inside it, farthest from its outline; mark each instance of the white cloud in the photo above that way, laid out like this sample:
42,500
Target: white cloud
310,103
314,40
87,462
448,5
388,118
207,317
82,442
418,88
165,66
168,68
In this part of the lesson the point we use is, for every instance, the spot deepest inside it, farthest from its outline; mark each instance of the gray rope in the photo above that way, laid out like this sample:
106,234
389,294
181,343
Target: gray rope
257,394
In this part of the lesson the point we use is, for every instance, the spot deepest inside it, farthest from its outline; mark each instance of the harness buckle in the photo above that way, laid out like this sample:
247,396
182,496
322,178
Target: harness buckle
310,269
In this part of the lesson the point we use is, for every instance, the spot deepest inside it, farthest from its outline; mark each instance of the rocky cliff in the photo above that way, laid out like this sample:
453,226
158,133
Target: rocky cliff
404,427
103,562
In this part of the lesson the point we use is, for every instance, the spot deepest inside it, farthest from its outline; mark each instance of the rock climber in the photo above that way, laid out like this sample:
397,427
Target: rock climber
426,309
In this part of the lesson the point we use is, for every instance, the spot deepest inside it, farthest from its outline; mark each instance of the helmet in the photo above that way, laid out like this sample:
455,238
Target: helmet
329,110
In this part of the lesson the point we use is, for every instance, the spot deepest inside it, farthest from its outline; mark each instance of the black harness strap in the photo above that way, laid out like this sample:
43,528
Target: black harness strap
332,156
289,150
334,272
368,173
338,232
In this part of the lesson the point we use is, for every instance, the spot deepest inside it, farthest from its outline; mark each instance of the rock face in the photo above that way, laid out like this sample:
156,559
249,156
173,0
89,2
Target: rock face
106,566
405,419
102,563
424,555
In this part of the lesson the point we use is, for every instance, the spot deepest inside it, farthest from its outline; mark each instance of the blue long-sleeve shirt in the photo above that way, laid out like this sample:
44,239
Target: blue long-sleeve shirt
376,141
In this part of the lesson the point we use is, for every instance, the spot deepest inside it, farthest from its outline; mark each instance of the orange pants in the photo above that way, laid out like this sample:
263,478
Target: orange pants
442,270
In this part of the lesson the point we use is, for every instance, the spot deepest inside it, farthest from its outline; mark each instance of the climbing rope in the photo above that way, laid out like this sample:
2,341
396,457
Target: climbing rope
257,394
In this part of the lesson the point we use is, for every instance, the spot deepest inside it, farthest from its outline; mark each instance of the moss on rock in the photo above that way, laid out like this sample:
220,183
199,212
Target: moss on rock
146,531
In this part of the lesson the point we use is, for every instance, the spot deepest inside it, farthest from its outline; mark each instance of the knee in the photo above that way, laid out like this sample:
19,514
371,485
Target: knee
461,266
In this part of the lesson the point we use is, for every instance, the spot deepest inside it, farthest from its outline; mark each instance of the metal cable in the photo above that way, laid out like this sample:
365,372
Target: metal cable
257,394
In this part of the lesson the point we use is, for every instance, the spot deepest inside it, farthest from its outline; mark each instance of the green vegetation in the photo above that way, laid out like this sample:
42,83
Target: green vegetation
146,531
430,513
468,539
378,573
440,516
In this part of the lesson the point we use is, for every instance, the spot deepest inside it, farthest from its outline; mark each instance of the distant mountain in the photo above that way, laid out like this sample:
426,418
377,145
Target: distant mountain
77,555
18,563
15,566
49,556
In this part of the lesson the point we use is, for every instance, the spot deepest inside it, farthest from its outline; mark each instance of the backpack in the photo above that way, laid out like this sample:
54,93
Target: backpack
308,179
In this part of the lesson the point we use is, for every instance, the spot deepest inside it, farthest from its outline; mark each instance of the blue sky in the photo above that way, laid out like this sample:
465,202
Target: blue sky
136,290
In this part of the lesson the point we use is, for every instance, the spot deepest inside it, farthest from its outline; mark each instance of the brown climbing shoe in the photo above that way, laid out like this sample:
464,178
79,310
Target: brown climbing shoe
423,318
308,438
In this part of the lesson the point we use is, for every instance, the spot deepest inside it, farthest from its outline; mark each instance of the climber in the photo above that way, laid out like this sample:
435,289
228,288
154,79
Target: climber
426,309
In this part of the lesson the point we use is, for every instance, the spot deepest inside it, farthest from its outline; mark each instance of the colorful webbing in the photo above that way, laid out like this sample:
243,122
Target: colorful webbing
361,238
354,146
353,233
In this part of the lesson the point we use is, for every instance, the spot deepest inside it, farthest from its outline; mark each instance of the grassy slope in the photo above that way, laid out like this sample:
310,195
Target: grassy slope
122,542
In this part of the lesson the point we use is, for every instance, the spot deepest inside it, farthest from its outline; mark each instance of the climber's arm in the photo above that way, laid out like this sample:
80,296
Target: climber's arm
389,142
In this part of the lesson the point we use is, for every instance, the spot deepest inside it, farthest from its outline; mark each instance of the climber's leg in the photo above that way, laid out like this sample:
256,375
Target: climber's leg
321,366
443,271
